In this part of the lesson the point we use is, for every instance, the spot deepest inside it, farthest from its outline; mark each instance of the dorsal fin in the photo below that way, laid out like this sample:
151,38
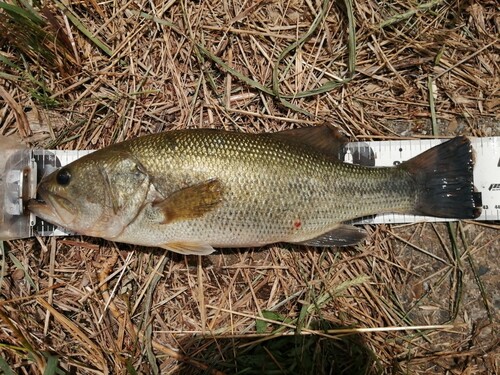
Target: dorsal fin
324,138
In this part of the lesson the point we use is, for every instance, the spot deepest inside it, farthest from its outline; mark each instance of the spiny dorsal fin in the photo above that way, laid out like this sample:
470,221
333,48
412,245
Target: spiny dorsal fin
191,202
324,138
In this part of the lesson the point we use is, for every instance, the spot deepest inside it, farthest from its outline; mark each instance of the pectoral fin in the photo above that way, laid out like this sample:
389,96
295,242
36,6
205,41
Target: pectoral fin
191,202
343,235
189,248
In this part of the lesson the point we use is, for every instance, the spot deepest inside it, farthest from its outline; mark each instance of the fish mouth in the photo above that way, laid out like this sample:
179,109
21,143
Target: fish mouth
52,207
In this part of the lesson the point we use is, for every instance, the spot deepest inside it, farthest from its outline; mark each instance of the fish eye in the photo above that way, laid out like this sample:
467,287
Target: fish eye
63,177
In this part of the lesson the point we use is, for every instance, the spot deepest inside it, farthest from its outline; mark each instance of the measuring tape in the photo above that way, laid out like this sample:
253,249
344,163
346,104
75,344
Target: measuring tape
24,169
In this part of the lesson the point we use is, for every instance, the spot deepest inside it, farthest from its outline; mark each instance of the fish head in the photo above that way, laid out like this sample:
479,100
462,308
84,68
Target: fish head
97,195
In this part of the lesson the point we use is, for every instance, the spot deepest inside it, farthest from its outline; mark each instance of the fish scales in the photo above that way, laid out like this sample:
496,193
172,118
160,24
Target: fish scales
191,190
270,187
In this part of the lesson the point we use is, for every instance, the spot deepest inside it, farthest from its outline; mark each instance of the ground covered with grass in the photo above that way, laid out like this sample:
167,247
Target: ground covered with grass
413,299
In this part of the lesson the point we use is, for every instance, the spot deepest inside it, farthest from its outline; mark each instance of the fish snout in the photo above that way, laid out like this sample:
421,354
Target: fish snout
52,207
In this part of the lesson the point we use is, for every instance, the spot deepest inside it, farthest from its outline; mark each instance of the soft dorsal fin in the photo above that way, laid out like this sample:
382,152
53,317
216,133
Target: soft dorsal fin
324,138
191,202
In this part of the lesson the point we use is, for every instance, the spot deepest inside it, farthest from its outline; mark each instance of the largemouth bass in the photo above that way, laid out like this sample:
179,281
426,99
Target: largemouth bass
189,191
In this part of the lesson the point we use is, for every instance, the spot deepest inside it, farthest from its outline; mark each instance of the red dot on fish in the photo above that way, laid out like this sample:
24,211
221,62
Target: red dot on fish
297,223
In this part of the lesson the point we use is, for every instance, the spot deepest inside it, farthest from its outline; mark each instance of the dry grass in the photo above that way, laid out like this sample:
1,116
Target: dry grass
94,73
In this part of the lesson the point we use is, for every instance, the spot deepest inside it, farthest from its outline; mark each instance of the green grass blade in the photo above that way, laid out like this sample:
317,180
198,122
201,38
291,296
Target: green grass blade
338,290
330,85
403,16
51,367
477,277
351,40
20,266
250,82
432,105
81,27
20,12
5,368
9,63
297,44
457,273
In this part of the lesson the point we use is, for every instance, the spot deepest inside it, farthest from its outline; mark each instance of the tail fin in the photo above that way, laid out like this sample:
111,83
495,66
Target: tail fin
444,180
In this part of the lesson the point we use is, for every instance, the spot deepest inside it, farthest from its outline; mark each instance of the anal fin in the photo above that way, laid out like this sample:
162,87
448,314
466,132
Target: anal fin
342,235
